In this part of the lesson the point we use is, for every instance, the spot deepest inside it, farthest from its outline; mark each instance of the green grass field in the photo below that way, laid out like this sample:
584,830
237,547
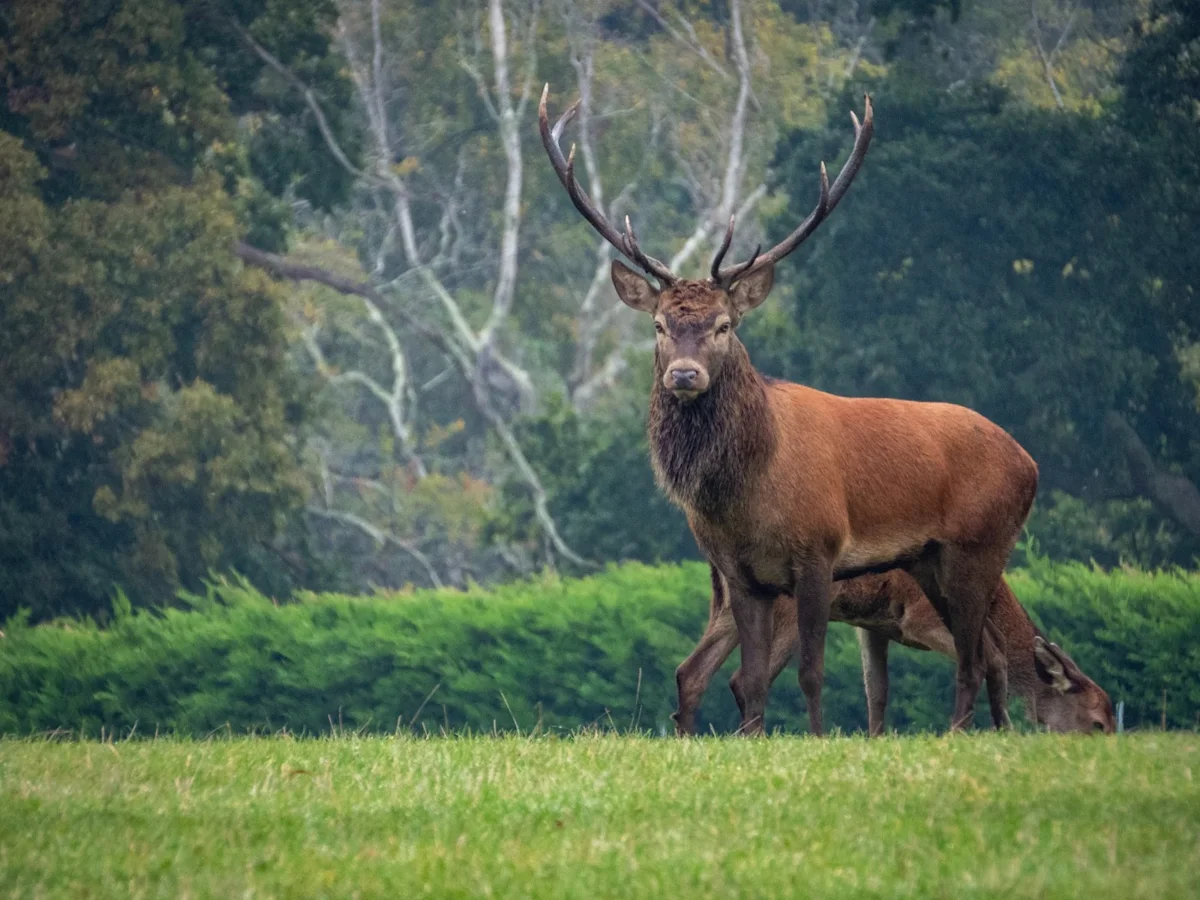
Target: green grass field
596,816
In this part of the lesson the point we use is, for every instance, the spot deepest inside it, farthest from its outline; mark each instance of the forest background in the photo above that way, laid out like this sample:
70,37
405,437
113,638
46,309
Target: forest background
289,289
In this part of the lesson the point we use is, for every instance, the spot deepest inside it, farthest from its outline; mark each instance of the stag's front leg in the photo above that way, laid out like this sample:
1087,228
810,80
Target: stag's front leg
814,593
695,672
753,614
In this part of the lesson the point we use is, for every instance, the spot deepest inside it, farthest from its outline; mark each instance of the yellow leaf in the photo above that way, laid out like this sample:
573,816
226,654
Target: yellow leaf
407,166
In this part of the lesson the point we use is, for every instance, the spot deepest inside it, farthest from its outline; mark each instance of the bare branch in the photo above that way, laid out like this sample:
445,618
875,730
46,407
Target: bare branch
737,125
485,93
735,159
510,136
607,375
377,64
856,53
530,49
380,537
541,506
689,41
371,94
389,239
585,71
1062,37
1047,59
297,271
393,399
326,476
310,100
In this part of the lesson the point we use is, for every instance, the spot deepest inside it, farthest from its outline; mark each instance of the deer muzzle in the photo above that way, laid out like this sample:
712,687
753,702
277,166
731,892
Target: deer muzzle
686,379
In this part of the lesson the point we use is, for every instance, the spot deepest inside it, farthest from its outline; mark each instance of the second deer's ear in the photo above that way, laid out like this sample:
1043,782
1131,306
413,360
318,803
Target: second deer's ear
1055,667
634,290
753,289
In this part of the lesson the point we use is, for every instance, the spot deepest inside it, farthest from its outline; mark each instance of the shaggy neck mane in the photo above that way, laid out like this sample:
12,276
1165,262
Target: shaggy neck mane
704,450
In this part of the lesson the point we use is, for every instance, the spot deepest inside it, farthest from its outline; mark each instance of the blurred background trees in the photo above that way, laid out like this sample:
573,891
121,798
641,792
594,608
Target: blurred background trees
288,287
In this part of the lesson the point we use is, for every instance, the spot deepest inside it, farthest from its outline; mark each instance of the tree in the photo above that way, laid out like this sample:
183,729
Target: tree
150,426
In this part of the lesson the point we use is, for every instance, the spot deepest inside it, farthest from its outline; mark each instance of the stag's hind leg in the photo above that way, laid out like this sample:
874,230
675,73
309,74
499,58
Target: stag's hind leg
960,581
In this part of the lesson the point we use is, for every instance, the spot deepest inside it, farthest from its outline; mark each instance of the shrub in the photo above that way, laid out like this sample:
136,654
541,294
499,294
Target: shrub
563,652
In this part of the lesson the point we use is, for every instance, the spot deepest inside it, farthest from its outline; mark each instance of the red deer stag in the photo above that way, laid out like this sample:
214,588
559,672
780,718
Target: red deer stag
890,607
788,489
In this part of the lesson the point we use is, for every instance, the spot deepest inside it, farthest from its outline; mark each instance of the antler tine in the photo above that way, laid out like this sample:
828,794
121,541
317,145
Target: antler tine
563,120
862,139
830,197
716,263
745,267
565,169
655,267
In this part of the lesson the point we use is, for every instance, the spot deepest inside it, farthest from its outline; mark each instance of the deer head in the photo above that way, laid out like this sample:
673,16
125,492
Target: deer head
694,319
1067,700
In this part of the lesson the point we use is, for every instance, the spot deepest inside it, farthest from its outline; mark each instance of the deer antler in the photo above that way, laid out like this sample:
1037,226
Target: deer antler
565,169
830,196
737,271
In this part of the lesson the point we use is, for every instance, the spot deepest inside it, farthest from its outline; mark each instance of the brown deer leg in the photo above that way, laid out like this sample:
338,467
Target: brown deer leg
784,638
874,650
695,672
997,678
814,593
753,614
966,579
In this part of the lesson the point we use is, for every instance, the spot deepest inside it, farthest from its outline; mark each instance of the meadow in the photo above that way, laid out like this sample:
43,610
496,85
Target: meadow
603,815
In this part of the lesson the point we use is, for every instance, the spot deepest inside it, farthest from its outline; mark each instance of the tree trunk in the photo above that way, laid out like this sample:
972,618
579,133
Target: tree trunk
1175,496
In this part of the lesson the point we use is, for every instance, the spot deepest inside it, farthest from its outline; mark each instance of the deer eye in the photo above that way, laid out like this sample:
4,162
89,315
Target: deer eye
724,329
659,328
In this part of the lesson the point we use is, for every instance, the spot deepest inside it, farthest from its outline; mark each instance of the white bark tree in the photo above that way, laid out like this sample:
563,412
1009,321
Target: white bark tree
436,232
475,351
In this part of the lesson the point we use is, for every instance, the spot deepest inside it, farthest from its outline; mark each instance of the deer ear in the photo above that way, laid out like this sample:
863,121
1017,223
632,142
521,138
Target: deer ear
1055,668
753,289
634,290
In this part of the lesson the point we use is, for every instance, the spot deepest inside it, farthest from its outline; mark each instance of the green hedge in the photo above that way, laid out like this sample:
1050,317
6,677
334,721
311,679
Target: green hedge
566,652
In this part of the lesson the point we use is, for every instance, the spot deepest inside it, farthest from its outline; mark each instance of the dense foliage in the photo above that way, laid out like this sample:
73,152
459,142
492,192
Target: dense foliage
447,390
150,422
561,652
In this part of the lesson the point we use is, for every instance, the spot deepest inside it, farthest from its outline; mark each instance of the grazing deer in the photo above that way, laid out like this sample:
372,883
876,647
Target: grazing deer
890,607
788,489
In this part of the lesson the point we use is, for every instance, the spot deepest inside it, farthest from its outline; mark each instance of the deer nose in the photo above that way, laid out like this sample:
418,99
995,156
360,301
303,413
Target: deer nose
685,379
